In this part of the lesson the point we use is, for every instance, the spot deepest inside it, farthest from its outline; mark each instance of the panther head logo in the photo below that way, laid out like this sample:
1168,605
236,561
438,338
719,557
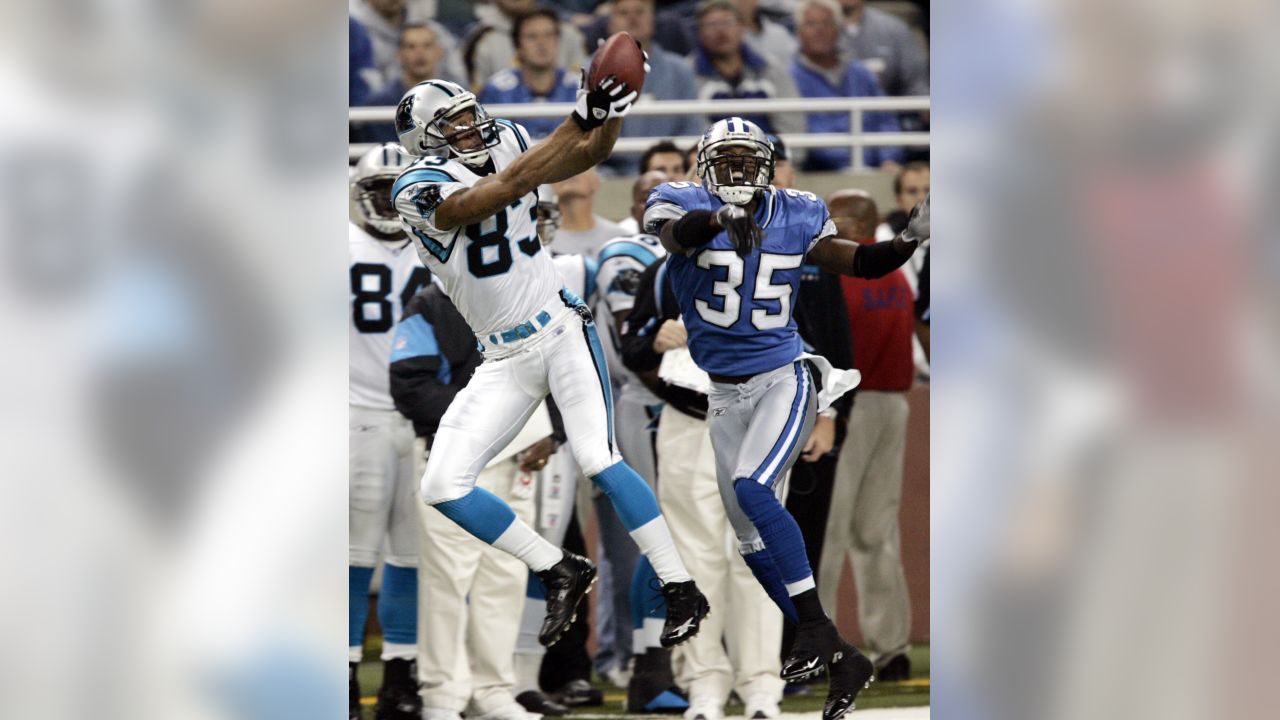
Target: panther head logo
404,115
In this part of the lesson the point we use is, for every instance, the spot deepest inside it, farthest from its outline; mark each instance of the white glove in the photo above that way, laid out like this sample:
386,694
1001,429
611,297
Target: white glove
608,99
918,223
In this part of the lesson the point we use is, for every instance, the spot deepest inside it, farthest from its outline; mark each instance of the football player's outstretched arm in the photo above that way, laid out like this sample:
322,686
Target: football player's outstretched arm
872,260
582,141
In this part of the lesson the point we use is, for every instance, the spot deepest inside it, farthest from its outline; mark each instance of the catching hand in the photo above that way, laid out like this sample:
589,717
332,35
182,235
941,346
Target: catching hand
744,231
610,98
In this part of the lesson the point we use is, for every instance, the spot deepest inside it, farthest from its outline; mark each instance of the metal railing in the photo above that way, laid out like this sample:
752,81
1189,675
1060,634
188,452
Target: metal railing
855,139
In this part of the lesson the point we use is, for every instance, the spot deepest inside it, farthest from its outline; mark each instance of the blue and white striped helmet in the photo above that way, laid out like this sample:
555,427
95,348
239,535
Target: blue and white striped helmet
423,121
735,177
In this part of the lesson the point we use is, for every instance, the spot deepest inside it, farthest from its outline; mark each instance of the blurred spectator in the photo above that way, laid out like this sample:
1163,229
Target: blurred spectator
419,59
765,36
910,186
582,232
536,78
667,157
691,161
819,72
639,193
887,46
669,79
728,69
867,496
385,19
489,48
784,173
362,75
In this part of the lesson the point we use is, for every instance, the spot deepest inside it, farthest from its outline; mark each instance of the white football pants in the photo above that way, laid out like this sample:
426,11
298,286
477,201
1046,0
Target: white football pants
381,497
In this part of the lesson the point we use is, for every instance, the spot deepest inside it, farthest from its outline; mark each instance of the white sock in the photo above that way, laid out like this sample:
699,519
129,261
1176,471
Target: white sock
533,550
654,539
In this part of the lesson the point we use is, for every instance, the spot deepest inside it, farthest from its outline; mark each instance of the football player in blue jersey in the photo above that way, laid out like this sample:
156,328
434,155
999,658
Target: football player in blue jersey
737,244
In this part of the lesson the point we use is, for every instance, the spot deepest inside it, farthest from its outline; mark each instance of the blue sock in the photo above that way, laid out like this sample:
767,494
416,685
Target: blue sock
634,502
534,589
766,572
480,513
646,598
358,579
398,604
781,534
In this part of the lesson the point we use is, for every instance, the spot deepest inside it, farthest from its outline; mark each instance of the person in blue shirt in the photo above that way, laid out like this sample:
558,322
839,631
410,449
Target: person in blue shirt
670,78
360,68
820,72
737,247
420,58
536,78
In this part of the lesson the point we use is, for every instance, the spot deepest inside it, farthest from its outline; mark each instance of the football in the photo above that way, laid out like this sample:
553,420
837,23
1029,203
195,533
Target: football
619,56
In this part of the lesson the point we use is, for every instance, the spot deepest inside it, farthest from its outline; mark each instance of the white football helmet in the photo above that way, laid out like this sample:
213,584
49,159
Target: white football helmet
375,172
430,119
548,214
735,176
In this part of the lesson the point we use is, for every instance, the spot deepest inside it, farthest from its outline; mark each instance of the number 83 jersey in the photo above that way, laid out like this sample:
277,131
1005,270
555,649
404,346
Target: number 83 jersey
495,271
739,311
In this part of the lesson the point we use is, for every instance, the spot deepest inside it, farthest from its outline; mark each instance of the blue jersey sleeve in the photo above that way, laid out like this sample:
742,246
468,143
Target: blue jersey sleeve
670,201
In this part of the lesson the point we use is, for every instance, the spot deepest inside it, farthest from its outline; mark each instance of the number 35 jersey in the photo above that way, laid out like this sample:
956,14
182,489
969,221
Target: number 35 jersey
495,271
382,277
739,311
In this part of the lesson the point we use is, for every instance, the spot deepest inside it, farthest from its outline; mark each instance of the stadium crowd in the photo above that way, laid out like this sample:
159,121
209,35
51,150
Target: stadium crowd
517,51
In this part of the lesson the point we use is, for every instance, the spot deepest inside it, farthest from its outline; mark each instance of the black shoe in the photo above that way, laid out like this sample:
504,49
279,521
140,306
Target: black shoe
398,699
353,686
535,702
896,670
815,644
686,606
849,671
578,693
652,689
567,584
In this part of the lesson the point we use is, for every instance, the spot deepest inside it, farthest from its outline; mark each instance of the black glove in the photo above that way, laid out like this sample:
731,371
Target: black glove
608,99
743,230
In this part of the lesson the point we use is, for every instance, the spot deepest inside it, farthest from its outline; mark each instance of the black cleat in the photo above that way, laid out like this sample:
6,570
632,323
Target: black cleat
652,689
686,606
577,693
537,703
353,687
398,699
567,584
849,671
815,644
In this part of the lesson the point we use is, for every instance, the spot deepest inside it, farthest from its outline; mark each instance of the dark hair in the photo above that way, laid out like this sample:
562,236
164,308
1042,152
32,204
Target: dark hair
662,146
707,6
913,166
435,36
522,18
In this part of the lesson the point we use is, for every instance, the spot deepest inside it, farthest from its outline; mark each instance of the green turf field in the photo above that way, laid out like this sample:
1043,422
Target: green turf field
914,692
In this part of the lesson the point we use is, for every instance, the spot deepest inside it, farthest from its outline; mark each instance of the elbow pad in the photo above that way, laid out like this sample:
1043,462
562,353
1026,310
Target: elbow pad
694,229
879,259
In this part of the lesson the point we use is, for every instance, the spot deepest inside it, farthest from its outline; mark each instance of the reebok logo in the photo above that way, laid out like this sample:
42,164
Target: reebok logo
599,113
683,627
718,412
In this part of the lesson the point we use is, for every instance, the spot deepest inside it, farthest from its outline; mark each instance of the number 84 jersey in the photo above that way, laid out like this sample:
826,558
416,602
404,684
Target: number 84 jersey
383,276
495,271
739,311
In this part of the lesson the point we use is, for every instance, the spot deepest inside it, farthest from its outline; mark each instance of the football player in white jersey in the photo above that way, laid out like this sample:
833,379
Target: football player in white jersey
472,217
384,273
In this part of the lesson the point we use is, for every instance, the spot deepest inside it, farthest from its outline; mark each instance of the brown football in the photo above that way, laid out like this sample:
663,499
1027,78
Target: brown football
619,56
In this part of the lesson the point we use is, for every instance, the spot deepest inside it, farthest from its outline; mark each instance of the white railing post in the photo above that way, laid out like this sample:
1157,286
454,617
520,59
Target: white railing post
855,139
